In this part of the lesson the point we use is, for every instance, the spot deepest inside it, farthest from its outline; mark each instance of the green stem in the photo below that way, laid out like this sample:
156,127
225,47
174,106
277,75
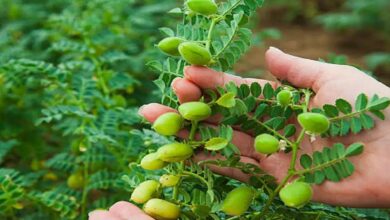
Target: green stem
210,33
231,8
101,79
194,127
274,102
273,195
85,191
271,130
175,192
291,172
350,115
197,177
319,167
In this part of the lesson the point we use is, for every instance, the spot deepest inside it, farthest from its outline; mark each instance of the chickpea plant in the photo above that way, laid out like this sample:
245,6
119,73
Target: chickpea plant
174,186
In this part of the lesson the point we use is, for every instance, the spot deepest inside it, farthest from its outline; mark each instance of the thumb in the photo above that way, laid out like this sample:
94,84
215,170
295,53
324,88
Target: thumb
298,71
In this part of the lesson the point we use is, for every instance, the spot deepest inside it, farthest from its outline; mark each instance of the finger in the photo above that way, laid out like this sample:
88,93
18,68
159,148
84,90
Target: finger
140,217
302,72
185,90
206,78
102,215
153,110
227,171
124,209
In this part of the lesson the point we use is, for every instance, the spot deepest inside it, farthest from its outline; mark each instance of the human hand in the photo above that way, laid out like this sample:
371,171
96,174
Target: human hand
367,187
120,211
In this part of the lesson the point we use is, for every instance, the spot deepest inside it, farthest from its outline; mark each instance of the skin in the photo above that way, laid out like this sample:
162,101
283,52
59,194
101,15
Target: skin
367,187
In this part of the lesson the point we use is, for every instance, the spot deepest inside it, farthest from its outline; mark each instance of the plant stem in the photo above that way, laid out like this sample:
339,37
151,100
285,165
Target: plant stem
320,167
194,127
197,177
271,130
291,171
274,101
210,34
350,115
85,191
274,193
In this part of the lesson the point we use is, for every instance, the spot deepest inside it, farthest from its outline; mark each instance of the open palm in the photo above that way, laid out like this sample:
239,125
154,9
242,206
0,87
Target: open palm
367,187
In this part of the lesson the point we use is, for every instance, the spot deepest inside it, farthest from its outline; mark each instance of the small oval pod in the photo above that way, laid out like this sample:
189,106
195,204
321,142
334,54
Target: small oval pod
175,152
168,124
195,111
238,201
168,180
162,210
75,181
266,144
314,122
204,7
145,191
284,97
194,53
296,194
170,45
152,162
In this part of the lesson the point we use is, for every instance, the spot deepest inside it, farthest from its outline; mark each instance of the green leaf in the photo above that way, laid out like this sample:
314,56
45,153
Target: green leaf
331,111
379,104
378,114
217,143
289,130
243,91
261,110
306,161
227,100
367,121
354,149
356,125
343,106
256,89
361,102
268,91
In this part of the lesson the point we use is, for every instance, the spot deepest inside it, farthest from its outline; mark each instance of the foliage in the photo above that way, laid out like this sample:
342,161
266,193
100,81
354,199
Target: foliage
255,109
70,78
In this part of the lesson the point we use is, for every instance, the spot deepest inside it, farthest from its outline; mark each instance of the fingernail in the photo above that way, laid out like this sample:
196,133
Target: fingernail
275,49
93,212
140,110
174,83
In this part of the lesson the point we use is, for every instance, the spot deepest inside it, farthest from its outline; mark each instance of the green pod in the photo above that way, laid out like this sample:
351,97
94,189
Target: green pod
284,97
238,201
167,180
168,124
75,181
152,162
266,144
204,7
162,210
194,53
145,191
195,111
296,194
170,45
314,122
175,152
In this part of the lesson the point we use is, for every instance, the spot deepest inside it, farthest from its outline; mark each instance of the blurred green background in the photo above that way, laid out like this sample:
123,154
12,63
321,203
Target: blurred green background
74,72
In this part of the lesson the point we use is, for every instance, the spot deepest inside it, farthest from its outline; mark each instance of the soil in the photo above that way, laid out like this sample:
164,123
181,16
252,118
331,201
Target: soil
314,42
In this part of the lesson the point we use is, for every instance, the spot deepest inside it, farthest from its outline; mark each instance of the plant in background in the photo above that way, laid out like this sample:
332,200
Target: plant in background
360,15
70,78
213,37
